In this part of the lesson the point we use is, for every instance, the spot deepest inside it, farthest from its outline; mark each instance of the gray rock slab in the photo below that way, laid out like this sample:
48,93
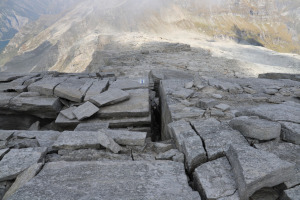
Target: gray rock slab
3,152
137,106
86,110
161,147
23,178
168,155
91,126
77,140
72,89
44,138
292,194
68,113
109,180
233,88
215,179
110,97
204,127
97,87
255,169
194,152
46,85
129,138
276,112
179,131
207,103
17,160
108,142
290,132
183,93
6,135
7,76
130,84
43,107
216,144
223,107
259,129
23,143
180,111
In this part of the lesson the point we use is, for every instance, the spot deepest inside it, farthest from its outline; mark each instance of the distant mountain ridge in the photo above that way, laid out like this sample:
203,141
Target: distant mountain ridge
70,41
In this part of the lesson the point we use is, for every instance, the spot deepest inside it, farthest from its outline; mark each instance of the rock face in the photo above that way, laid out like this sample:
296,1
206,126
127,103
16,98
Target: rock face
17,160
256,128
109,180
255,169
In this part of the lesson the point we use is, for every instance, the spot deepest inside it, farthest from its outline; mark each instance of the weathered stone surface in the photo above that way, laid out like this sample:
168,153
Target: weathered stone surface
215,179
86,110
288,112
233,88
161,147
108,142
137,106
46,85
97,87
68,113
292,194
77,140
207,103
291,132
216,144
256,128
194,152
3,144
43,107
183,93
5,135
131,84
23,178
223,107
23,143
179,157
189,85
44,138
3,152
255,169
17,160
72,89
110,97
180,111
129,138
205,127
91,155
168,155
91,126
109,180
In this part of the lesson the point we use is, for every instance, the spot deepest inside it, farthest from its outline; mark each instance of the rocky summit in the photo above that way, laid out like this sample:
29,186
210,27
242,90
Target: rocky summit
169,135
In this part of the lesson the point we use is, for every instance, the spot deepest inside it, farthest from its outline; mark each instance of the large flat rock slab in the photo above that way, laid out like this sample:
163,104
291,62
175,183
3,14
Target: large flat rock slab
97,87
110,97
109,180
40,106
215,179
137,106
255,169
46,85
17,160
130,84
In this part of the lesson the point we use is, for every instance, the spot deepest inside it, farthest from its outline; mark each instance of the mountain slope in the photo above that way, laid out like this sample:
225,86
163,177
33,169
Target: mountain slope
88,36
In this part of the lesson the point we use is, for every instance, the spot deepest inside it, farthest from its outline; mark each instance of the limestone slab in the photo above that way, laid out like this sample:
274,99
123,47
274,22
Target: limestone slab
137,106
110,97
215,179
291,132
255,169
17,160
46,85
86,110
259,129
109,180
97,87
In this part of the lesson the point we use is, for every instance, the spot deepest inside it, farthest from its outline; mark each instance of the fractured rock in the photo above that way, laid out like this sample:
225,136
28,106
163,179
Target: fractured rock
97,87
109,180
207,103
290,132
292,194
23,178
46,85
183,93
256,128
68,113
86,110
17,160
168,155
255,169
110,97
44,138
108,142
215,179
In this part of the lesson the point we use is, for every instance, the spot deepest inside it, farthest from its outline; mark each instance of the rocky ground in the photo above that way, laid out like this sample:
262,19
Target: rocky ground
168,135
